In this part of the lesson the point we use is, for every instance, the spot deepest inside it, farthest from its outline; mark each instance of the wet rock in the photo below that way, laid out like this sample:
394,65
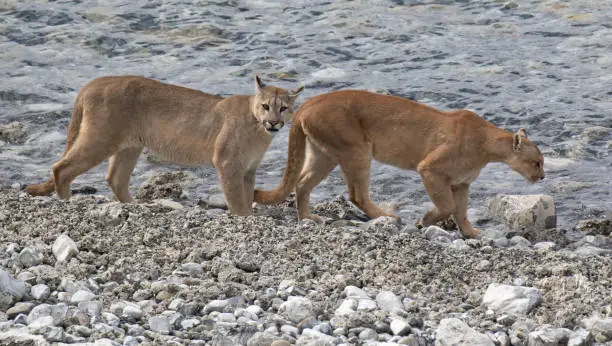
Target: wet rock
297,309
511,299
523,213
30,257
13,133
595,227
11,290
64,248
453,331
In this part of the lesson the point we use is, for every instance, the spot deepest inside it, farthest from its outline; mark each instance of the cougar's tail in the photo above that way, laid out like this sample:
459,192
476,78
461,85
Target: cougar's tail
48,186
295,161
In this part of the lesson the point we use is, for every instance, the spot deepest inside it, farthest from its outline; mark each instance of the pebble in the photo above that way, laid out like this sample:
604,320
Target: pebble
64,248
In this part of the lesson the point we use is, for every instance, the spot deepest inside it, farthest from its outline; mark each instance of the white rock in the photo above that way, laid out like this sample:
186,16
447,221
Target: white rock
226,317
346,308
453,331
255,310
545,246
290,330
41,322
311,337
193,269
355,292
92,309
189,323
549,337
40,292
297,309
12,289
132,312
368,334
388,301
30,257
22,336
168,203
519,242
216,305
580,337
111,319
436,233
599,325
511,299
59,313
262,339
366,304
64,248
400,327
524,212
160,324
81,296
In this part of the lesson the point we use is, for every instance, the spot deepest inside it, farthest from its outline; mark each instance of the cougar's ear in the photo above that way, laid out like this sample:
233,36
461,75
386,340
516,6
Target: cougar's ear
296,92
259,84
518,139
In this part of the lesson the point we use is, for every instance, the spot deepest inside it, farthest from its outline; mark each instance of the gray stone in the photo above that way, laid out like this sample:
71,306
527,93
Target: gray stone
226,317
30,257
91,308
355,292
580,337
193,269
168,203
262,339
160,324
111,319
142,294
255,310
366,304
64,248
438,234
21,337
19,308
519,242
524,213
11,290
453,331
388,301
511,299
297,309
346,308
189,323
27,277
545,246
58,312
548,336
589,251
81,296
40,292
40,323
13,133
132,312
400,327
311,337
216,305
600,327
324,328
290,330
368,334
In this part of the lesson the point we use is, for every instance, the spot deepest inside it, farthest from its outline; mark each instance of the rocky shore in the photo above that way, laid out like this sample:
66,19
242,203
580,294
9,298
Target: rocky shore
169,272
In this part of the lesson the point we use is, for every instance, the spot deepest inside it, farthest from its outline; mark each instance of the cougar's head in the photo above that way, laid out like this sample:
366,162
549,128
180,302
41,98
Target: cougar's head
526,158
273,106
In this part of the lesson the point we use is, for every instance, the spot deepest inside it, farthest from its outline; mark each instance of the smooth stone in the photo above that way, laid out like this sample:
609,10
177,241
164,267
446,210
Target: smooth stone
509,299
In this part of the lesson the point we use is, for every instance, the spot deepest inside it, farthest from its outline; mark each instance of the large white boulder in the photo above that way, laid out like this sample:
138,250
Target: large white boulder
510,299
524,213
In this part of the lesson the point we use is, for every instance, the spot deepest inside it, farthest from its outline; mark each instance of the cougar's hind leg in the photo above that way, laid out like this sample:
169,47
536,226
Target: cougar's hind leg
120,167
316,168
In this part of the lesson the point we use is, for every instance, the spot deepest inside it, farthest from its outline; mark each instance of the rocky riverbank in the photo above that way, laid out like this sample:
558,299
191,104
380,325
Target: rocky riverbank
166,272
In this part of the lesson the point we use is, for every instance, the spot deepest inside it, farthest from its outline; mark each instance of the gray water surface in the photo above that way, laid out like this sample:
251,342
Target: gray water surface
542,65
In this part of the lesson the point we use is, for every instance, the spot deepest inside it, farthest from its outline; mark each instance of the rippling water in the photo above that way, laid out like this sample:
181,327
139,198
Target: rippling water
543,65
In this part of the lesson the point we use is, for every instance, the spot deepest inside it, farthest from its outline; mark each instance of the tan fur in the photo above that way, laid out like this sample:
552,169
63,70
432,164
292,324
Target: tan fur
448,150
116,117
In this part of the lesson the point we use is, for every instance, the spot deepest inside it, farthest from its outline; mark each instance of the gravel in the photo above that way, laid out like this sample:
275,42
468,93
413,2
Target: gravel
150,273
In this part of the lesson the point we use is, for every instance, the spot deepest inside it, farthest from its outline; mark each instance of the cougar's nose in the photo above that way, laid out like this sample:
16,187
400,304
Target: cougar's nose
273,125
542,177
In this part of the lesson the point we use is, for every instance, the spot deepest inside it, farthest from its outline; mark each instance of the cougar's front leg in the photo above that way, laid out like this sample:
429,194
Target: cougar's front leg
249,186
231,176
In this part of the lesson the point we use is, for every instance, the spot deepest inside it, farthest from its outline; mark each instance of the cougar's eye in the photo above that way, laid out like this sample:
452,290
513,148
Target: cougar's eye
283,108
266,106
